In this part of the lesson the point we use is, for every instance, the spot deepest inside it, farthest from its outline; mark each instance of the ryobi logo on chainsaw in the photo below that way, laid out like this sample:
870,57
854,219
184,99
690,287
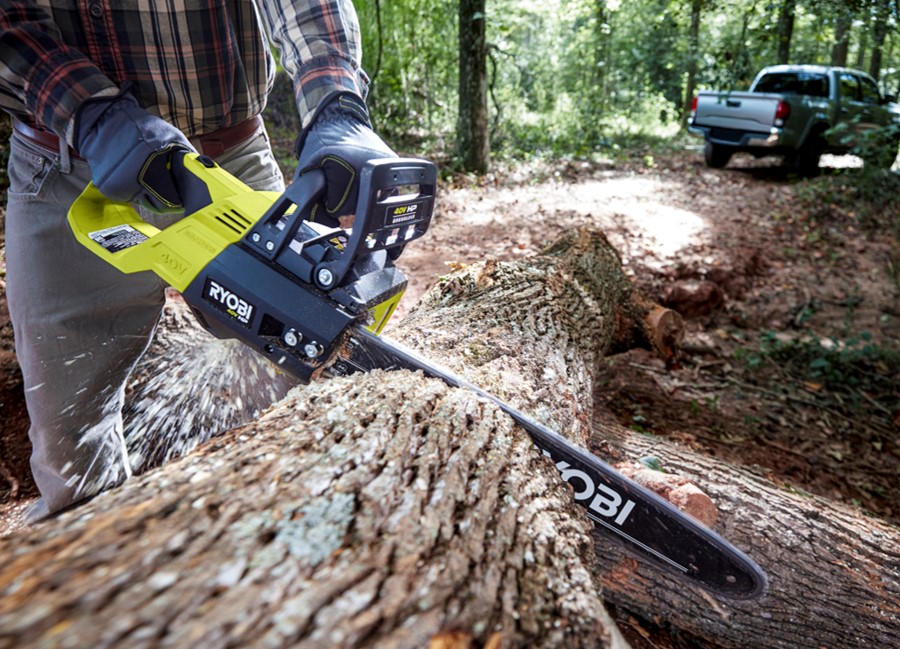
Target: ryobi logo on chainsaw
228,302
601,500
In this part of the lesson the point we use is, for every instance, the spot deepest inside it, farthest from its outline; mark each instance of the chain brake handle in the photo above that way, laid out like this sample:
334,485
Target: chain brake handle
395,205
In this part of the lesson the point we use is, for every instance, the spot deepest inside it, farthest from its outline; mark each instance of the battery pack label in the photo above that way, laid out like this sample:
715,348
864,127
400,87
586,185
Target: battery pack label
403,214
118,237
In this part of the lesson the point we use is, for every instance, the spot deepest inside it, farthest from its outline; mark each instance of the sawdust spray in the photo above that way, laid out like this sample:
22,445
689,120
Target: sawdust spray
190,386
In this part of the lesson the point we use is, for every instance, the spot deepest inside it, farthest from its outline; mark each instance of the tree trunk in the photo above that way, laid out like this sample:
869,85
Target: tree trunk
473,143
879,34
387,510
841,48
786,30
862,49
693,57
598,75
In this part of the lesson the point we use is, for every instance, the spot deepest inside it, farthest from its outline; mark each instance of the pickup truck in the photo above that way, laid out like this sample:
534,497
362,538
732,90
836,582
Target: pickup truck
799,112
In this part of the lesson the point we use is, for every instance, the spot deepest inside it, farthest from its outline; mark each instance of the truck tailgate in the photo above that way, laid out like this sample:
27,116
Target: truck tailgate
739,111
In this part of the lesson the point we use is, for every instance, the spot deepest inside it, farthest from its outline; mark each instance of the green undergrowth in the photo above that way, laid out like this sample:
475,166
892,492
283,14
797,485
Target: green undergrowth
865,374
865,196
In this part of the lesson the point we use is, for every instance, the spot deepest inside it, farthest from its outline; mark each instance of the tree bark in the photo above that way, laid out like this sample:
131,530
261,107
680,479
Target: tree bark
693,58
841,47
473,142
834,573
785,30
387,510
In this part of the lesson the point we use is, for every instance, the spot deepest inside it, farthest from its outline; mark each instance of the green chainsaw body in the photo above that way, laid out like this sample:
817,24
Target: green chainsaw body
256,266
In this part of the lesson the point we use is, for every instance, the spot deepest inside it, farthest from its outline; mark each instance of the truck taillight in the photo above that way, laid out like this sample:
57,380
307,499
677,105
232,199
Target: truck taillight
782,112
694,107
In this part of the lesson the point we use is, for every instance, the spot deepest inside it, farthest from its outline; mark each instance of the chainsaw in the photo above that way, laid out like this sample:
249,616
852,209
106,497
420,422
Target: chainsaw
258,267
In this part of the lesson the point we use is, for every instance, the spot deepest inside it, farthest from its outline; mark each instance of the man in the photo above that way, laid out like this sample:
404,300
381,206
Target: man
116,92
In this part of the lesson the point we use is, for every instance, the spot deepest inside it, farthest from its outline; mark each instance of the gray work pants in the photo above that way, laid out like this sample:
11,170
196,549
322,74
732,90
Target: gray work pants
80,324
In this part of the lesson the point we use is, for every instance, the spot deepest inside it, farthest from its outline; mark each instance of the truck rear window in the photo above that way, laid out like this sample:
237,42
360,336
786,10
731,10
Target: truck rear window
796,83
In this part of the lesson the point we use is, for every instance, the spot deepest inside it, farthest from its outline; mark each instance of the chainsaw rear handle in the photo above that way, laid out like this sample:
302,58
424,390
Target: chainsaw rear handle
395,204
116,232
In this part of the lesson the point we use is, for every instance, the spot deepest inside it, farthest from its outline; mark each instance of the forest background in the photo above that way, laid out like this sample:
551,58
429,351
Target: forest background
589,77
583,78
550,116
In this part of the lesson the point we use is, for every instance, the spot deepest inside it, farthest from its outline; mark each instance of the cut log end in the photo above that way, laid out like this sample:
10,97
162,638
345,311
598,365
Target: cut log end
641,324
665,331
677,489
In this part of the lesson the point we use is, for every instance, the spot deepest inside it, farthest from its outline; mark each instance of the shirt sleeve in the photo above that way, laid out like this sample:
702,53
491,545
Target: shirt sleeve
319,43
41,78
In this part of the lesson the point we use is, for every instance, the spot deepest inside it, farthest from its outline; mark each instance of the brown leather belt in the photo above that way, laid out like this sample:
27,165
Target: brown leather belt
212,144
216,143
42,138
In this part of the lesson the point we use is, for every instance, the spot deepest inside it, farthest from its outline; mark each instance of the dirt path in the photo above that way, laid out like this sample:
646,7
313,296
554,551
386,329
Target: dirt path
792,312
792,360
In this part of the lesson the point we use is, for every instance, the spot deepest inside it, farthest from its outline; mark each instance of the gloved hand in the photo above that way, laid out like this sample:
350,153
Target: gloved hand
340,140
133,155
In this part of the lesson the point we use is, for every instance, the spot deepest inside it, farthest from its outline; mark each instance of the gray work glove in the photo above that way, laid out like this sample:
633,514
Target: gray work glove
339,140
134,156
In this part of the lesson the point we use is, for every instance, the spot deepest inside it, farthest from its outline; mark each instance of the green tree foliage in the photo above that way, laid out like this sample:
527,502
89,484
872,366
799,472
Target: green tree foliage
584,76
410,51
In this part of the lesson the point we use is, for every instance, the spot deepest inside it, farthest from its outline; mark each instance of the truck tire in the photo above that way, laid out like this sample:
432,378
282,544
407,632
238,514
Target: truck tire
717,155
805,161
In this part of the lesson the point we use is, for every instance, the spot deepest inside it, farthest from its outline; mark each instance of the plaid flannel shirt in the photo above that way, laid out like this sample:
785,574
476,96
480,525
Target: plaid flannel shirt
200,64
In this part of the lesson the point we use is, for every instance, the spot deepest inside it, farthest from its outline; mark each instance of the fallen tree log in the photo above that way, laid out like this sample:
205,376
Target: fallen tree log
388,510
834,573
377,511
822,558
380,510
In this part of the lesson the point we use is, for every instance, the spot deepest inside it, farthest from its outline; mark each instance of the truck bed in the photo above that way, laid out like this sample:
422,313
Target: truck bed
736,111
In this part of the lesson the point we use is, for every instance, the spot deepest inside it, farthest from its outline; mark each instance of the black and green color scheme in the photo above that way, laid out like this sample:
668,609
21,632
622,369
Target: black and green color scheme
255,266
